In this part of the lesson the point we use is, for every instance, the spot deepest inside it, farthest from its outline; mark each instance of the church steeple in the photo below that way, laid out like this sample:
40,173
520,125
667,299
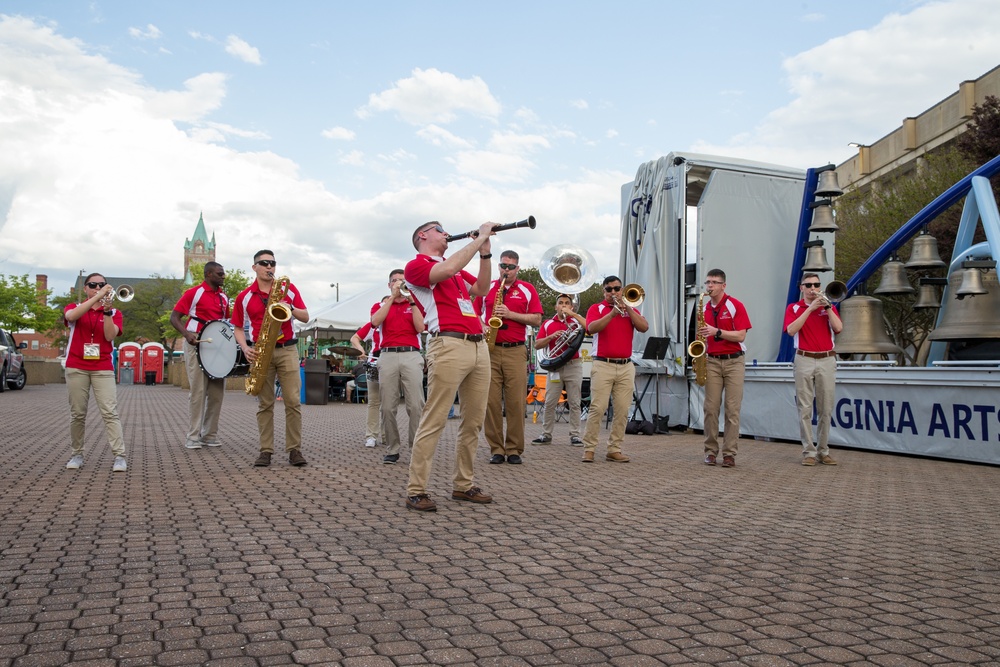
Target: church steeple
198,249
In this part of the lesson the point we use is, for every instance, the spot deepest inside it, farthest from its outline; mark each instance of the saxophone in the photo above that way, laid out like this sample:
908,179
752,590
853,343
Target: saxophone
495,322
275,313
697,348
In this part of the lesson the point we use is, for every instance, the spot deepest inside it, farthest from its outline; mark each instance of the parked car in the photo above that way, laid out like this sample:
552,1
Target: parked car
12,373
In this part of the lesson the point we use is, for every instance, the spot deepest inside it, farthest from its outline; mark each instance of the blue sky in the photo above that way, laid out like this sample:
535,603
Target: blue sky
328,130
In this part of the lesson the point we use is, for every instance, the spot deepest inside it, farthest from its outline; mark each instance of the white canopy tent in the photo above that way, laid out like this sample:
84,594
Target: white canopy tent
339,321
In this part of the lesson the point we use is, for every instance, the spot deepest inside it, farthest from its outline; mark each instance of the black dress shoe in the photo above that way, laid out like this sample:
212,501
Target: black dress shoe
497,458
514,459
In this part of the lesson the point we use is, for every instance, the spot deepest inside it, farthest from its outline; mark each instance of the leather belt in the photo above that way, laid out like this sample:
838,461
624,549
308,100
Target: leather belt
472,338
815,355
508,344
612,360
726,356
404,348
287,343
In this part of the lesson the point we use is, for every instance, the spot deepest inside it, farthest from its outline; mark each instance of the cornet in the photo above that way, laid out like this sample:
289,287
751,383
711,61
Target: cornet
123,293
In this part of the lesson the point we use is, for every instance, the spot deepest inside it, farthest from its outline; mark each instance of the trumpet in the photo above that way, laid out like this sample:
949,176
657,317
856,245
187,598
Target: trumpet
528,222
632,296
835,292
123,293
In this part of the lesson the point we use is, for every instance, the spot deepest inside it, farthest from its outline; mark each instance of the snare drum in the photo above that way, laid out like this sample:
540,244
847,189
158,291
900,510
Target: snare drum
371,370
219,355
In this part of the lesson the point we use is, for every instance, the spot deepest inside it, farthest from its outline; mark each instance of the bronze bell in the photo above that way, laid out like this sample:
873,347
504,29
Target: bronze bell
962,319
972,283
894,280
864,329
828,185
924,254
927,297
816,257
823,216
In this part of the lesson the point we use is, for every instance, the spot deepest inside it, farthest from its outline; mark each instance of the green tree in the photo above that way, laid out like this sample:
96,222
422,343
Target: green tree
23,307
981,140
236,279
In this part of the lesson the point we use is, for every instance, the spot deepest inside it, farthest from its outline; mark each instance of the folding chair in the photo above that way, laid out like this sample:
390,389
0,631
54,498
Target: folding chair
536,397
360,394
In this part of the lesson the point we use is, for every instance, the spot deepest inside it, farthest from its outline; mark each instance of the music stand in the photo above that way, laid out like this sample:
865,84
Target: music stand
656,349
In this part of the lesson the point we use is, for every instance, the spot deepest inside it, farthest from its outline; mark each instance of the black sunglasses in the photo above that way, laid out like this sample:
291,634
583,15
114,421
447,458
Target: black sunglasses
616,288
268,263
810,284
96,285
508,267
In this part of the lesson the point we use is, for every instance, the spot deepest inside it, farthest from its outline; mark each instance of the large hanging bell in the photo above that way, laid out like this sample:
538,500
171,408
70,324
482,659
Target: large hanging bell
924,254
864,329
828,185
971,284
963,319
927,297
816,257
823,216
894,280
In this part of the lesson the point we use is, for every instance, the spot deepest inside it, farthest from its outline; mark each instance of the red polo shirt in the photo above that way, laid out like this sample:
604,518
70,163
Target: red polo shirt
615,340
520,297
90,329
441,302
729,315
553,326
203,304
250,304
816,335
397,328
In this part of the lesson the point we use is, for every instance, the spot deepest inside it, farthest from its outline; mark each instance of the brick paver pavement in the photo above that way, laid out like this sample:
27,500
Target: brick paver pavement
193,557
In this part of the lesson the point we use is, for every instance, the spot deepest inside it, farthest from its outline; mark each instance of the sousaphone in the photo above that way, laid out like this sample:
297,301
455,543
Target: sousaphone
568,269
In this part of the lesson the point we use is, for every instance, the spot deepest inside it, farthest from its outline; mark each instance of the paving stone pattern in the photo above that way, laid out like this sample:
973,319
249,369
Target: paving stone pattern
194,557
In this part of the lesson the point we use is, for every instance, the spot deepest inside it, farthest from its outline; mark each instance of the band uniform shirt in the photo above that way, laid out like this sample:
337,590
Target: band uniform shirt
397,328
85,331
729,315
615,340
816,334
521,298
251,302
554,326
202,304
447,305
369,333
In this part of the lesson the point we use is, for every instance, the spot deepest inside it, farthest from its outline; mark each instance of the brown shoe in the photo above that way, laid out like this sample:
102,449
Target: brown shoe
588,457
827,460
473,495
295,458
617,457
421,502
710,460
809,461
263,460
728,461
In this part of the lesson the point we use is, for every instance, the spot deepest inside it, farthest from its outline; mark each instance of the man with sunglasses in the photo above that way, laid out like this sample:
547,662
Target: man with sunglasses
726,325
613,324
457,358
201,305
814,322
251,304
517,304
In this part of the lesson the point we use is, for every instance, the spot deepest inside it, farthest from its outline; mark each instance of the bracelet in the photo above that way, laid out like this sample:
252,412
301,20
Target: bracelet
486,256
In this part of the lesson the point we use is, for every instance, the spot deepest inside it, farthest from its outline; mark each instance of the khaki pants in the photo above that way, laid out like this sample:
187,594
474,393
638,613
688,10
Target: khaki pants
373,427
401,370
284,365
617,383
723,374
570,379
79,383
508,387
815,378
205,400
453,364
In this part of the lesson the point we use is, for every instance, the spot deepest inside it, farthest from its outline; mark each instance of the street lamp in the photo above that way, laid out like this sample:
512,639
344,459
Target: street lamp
337,285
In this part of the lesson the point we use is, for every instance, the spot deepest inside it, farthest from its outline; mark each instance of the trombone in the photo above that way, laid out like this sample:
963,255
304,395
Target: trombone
632,296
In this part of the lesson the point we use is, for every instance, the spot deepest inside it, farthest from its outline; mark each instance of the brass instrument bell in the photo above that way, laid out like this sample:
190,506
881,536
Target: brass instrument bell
823,216
864,329
816,257
894,280
828,185
962,319
924,253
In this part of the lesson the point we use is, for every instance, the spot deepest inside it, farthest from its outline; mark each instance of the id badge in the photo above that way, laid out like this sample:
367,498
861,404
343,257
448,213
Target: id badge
466,306
553,376
91,351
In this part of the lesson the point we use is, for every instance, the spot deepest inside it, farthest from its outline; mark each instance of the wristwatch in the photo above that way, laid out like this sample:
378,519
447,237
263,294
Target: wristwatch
718,334
109,313
486,256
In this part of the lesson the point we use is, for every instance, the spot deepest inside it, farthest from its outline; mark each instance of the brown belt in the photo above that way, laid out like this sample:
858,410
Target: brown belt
815,355
472,338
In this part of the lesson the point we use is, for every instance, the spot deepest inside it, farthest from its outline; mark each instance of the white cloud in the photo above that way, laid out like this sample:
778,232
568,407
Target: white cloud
432,96
492,166
240,49
611,134
579,104
151,32
338,134
509,142
439,136
356,158
202,94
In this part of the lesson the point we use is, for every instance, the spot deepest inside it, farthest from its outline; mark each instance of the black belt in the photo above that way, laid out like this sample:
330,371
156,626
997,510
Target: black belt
612,360
726,356
815,355
293,341
472,338
508,344
404,348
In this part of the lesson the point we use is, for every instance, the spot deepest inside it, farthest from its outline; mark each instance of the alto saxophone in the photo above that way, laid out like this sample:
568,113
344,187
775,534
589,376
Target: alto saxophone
495,322
275,313
697,347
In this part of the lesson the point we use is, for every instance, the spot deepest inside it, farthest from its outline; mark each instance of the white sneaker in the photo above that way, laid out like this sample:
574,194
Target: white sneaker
370,442
211,443
120,465
75,462
192,444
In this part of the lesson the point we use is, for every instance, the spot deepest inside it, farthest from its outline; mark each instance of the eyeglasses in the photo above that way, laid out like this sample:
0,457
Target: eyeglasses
508,267
438,229
268,263
96,285
713,282
810,284
613,288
